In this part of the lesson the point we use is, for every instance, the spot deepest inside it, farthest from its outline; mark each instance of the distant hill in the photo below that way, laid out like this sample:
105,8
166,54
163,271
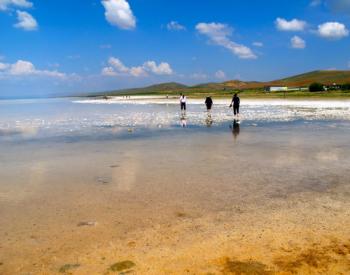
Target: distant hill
302,80
324,77
155,89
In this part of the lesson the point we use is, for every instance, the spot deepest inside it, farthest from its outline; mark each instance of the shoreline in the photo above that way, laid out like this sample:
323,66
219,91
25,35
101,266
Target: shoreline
309,102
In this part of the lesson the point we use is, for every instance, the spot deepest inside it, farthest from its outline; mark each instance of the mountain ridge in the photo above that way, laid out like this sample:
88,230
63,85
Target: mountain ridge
300,80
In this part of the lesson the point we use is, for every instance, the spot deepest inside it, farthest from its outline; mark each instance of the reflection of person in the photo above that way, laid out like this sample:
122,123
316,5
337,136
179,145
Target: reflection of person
183,121
208,103
235,127
235,103
209,120
183,101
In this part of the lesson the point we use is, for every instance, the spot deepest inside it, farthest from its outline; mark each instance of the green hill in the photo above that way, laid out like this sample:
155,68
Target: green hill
324,77
301,80
171,87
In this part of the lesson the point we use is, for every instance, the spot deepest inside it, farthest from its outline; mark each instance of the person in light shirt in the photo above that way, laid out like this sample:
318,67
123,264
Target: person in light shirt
183,101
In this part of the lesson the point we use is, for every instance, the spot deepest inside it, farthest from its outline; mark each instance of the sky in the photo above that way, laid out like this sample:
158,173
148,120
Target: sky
69,47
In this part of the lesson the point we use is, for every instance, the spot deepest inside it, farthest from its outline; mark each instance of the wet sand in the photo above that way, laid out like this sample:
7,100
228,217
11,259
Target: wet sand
256,200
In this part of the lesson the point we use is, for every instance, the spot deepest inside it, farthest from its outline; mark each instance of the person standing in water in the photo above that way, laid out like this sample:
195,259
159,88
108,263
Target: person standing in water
183,101
209,103
235,103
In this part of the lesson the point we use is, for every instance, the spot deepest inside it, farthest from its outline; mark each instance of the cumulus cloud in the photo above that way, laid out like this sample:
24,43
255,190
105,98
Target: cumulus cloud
220,74
26,68
26,21
117,68
3,66
118,13
297,42
161,69
333,30
6,4
175,26
292,25
219,34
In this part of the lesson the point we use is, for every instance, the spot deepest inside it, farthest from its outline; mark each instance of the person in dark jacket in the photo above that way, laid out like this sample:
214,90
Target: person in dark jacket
209,103
235,103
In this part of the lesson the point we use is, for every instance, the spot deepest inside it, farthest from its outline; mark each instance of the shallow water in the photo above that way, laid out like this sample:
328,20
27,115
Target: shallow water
104,188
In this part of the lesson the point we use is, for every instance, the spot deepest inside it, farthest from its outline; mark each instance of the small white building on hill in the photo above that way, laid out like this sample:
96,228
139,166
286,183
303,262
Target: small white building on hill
284,89
276,89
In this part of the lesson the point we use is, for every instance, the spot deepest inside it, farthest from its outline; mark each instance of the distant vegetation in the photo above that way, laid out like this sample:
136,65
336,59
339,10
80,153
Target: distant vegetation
315,81
316,87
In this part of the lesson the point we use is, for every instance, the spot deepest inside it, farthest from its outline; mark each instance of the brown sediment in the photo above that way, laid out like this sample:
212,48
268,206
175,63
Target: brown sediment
318,258
283,212
181,214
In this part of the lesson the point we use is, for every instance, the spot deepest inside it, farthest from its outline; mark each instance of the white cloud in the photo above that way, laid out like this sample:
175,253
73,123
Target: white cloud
175,26
117,68
22,68
333,30
3,66
6,4
220,74
26,21
118,13
118,65
297,42
109,71
138,71
219,34
293,25
26,68
258,44
161,69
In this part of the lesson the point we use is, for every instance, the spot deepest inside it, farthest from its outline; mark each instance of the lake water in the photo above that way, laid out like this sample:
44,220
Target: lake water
98,187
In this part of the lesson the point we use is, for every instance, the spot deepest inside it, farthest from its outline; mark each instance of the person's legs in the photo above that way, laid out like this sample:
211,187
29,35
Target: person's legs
236,110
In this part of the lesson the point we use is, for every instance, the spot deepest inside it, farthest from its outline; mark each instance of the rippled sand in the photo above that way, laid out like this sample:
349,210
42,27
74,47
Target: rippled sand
259,199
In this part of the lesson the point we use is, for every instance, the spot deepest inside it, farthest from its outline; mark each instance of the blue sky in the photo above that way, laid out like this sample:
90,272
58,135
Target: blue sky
63,47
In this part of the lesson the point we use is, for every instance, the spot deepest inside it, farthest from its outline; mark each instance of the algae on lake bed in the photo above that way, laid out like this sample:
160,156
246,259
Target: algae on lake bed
121,266
68,267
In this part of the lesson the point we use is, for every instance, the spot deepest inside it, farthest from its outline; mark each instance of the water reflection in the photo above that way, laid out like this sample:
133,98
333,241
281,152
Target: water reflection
183,119
209,119
235,127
